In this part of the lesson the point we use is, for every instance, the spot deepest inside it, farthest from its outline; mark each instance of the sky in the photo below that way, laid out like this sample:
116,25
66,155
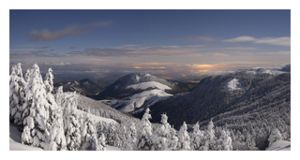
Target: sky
168,42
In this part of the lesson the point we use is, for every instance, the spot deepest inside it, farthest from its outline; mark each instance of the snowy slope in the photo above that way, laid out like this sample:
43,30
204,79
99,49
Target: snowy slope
136,91
147,85
146,98
98,108
280,146
13,145
96,119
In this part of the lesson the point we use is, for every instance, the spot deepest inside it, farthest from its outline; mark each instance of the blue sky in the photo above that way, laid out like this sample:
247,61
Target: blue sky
146,39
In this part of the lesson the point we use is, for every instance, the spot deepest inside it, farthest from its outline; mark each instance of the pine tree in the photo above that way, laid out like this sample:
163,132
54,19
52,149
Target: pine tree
55,122
49,84
274,136
183,138
90,140
17,96
226,141
39,110
162,137
122,134
71,122
197,137
145,142
173,140
250,141
101,142
210,137
132,137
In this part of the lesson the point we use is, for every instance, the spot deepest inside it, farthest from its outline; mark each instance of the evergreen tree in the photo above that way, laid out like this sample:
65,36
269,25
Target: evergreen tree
162,138
210,136
274,136
49,84
145,142
102,142
90,140
39,110
183,138
173,140
71,122
226,141
250,141
17,96
132,137
197,137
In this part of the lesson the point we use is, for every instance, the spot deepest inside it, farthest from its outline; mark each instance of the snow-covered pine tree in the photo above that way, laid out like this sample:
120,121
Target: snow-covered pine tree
183,138
39,110
132,137
71,121
173,140
128,136
90,140
250,141
210,137
145,139
197,137
55,122
59,96
49,84
17,96
162,136
122,134
274,136
102,142
226,141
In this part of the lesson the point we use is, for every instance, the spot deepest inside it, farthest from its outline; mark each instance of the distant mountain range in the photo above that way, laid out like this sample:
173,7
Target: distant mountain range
85,87
251,100
220,97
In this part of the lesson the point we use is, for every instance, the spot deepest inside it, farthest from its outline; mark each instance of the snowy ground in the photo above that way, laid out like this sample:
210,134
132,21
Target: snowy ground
280,146
147,85
16,146
15,140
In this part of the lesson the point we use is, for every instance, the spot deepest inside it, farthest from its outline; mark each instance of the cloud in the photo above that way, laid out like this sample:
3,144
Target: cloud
277,41
75,30
136,50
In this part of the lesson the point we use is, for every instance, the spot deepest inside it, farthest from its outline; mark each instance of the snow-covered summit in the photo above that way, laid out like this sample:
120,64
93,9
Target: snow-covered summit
131,84
233,84
147,85
268,71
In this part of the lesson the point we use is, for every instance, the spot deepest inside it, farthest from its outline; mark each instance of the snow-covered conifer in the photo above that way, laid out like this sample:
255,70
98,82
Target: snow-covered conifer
17,96
38,107
183,138
71,122
101,142
173,140
197,137
274,136
162,136
49,84
132,137
145,141
210,136
89,135
226,141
